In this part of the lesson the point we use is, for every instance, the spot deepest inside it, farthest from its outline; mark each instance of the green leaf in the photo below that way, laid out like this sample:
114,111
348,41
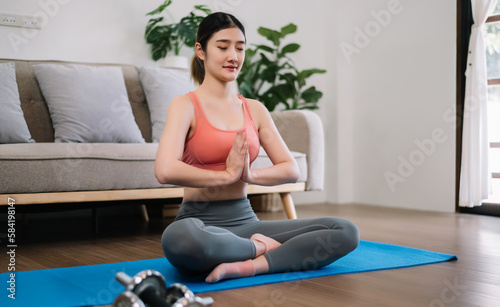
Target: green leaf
159,50
248,74
269,101
308,106
255,76
288,77
269,74
265,60
151,24
309,72
265,48
160,8
279,94
186,30
158,34
287,63
311,95
271,35
290,48
246,90
285,91
203,8
288,29
303,75
272,77
173,36
249,53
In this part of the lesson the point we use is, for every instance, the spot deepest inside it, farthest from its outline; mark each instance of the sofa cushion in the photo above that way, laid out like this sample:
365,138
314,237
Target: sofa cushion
161,85
13,128
65,167
87,104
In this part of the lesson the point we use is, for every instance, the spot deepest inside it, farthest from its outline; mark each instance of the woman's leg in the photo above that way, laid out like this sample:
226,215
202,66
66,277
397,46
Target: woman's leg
306,243
191,246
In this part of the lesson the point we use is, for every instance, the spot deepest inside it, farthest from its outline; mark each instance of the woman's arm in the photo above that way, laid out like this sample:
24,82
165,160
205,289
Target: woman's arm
169,167
285,168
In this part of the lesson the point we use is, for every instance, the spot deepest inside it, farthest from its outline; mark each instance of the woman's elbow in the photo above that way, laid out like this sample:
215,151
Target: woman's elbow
163,175
162,179
294,172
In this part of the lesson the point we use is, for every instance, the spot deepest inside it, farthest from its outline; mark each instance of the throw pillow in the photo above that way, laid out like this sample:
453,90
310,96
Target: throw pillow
13,128
161,85
88,104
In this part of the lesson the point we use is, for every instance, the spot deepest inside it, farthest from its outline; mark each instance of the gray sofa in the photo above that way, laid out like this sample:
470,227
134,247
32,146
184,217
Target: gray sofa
45,171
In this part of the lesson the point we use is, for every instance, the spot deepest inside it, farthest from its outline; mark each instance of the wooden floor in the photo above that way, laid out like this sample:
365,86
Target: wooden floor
473,280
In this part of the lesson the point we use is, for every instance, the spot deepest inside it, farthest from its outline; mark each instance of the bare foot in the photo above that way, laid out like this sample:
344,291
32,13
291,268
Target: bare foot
263,244
231,270
238,269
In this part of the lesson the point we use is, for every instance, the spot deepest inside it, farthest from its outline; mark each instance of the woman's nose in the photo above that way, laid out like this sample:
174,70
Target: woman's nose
233,55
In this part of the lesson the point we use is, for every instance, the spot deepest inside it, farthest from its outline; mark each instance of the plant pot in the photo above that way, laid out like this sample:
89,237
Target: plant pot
176,61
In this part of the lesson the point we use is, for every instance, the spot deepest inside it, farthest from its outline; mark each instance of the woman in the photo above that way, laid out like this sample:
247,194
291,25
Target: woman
211,137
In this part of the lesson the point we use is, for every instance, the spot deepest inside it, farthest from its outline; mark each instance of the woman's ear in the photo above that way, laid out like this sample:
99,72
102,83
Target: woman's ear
199,51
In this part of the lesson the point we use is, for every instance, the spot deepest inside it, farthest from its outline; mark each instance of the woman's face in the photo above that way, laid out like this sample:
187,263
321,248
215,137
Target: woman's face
224,55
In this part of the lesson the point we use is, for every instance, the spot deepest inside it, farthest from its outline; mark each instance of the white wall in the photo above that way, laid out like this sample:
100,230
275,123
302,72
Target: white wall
394,86
377,102
86,31
112,31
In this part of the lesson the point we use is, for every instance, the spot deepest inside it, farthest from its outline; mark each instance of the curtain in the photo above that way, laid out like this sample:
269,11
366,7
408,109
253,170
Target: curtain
474,173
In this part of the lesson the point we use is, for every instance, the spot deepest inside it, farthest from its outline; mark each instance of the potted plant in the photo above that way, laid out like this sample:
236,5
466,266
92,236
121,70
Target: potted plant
270,76
167,39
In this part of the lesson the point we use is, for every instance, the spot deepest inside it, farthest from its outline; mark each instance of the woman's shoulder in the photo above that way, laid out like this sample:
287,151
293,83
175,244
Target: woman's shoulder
183,101
259,112
181,105
256,106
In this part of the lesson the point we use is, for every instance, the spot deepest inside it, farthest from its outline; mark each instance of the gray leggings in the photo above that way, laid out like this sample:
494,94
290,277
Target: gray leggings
207,234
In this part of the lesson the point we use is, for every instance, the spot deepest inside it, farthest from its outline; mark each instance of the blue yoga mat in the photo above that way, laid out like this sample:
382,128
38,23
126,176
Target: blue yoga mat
95,285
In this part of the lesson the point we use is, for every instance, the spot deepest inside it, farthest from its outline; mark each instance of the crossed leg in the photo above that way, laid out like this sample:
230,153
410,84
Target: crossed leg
250,267
233,252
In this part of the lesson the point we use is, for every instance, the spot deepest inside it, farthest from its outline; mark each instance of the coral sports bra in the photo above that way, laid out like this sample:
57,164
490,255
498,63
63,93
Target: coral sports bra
208,147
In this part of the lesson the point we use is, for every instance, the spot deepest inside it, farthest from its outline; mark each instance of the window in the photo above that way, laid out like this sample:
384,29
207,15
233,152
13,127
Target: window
492,32
492,45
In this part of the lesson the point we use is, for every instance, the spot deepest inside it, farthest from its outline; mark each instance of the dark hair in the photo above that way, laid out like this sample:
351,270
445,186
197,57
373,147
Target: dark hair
206,29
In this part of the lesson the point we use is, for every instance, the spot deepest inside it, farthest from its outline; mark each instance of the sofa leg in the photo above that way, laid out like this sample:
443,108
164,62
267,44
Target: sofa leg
95,221
144,213
287,200
24,218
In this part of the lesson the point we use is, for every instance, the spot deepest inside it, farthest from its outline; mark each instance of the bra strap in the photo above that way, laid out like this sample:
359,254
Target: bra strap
246,109
196,103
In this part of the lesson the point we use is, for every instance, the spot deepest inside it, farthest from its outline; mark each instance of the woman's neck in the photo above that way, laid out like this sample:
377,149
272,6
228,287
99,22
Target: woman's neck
221,91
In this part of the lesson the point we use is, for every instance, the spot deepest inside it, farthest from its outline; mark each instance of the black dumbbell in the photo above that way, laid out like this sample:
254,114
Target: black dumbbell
178,295
128,299
146,287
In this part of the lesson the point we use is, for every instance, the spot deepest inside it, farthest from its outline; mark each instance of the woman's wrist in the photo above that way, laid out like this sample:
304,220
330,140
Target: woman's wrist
228,177
252,177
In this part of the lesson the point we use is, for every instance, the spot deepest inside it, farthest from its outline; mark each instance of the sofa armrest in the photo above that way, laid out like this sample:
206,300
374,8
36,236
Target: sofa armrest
302,131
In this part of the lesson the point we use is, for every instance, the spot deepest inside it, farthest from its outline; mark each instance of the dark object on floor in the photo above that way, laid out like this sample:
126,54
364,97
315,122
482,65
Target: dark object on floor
148,288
